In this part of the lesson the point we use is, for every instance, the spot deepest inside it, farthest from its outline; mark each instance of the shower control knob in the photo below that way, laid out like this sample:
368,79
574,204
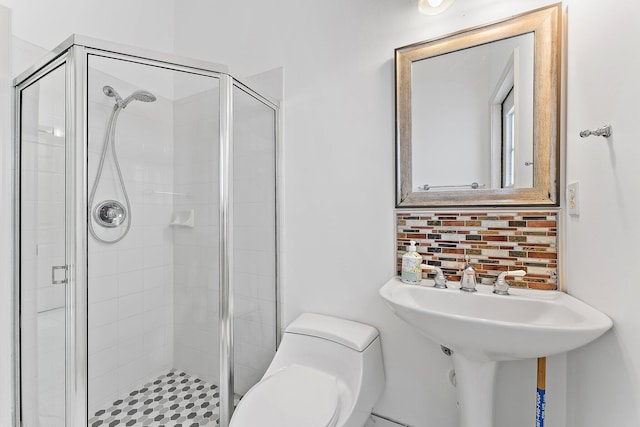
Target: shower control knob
110,213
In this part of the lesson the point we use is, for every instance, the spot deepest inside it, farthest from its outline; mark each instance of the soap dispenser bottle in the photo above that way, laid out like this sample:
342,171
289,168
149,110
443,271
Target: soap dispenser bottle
411,265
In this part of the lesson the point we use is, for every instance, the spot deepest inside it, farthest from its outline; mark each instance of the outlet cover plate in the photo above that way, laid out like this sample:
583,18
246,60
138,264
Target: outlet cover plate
573,198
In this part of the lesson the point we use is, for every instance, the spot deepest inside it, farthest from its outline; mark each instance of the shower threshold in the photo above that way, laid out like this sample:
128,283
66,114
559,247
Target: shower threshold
175,399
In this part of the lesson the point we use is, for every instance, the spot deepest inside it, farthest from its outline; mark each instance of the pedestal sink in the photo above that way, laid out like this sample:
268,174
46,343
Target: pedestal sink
482,328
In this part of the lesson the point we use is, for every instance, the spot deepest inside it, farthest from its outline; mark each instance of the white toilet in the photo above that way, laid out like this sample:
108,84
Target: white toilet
327,372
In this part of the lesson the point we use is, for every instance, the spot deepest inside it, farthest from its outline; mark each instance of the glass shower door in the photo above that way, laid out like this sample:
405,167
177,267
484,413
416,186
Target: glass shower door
43,275
255,296
153,282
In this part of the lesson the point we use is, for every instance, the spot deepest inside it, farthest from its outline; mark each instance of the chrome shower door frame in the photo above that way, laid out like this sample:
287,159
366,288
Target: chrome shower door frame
58,59
227,84
74,54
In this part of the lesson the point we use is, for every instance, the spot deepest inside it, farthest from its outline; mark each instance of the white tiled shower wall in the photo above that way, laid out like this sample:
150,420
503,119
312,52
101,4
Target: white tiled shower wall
130,283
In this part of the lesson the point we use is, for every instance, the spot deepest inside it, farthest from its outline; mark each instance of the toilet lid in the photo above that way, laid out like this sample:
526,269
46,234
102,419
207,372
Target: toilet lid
292,397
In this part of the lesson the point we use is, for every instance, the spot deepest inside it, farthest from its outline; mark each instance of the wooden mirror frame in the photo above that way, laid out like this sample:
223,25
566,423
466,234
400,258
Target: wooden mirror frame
546,25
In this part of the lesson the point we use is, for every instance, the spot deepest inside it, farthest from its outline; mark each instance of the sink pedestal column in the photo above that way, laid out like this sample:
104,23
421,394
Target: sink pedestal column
474,389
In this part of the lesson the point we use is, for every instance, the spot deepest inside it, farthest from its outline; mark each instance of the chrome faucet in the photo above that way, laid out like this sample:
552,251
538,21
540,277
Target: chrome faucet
440,280
501,286
468,281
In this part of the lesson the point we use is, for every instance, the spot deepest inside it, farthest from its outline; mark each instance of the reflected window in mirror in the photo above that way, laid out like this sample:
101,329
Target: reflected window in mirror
508,140
474,83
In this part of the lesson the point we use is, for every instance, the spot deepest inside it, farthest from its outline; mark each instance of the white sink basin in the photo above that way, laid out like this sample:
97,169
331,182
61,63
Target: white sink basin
488,327
483,328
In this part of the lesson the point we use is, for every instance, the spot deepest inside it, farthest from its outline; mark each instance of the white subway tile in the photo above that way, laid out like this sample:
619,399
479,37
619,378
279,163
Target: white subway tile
102,313
130,283
102,288
102,389
102,263
154,298
130,305
154,256
130,260
154,340
130,350
157,276
103,362
155,319
101,337
132,375
130,328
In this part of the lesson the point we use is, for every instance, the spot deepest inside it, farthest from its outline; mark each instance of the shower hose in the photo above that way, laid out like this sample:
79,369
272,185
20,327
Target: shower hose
109,139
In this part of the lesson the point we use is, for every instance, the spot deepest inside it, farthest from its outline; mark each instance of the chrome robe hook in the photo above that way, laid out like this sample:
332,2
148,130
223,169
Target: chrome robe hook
603,131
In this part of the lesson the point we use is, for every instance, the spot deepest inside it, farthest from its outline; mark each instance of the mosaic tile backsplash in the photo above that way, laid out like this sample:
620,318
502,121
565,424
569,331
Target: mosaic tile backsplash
494,241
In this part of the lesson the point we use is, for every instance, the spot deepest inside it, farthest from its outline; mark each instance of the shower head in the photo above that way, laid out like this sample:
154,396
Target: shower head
140,95
109,91
143,95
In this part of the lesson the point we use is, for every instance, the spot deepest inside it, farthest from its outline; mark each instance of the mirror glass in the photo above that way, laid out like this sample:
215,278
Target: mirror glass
477,115
483,118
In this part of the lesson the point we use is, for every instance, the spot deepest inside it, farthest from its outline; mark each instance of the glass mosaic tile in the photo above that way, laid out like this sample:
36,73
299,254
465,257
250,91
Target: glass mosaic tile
494,242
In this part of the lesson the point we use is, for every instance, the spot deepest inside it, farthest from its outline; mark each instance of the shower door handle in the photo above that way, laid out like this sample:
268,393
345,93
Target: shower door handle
55,268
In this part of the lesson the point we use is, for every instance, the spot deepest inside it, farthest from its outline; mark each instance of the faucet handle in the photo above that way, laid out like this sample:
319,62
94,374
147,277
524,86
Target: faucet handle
440,280
501,286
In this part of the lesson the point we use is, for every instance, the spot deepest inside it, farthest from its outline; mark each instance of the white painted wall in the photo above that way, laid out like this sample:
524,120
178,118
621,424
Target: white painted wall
6,252
604,378
338,234
144,23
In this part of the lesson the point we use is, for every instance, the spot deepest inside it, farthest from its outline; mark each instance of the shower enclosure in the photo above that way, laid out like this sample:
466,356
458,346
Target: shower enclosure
145,243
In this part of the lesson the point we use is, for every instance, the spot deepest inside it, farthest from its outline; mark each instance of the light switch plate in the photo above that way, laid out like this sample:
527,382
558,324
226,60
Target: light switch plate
573,198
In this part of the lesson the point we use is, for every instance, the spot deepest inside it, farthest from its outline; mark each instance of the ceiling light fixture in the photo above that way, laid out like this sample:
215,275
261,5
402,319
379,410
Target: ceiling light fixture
433,7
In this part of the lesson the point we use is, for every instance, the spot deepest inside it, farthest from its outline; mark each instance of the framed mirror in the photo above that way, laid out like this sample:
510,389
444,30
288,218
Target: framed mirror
477,115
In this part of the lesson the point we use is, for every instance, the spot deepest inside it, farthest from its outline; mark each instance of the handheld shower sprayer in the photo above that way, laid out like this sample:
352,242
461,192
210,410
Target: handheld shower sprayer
139,95
111,213
111,92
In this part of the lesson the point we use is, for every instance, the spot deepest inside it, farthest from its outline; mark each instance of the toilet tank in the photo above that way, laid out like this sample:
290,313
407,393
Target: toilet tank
357,336
348,350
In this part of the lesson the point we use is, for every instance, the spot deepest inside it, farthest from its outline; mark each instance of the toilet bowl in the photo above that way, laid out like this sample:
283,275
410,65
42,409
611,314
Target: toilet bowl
327,372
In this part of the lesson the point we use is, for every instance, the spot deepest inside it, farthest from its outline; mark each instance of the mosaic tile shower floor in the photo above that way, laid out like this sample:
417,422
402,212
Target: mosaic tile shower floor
175,399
